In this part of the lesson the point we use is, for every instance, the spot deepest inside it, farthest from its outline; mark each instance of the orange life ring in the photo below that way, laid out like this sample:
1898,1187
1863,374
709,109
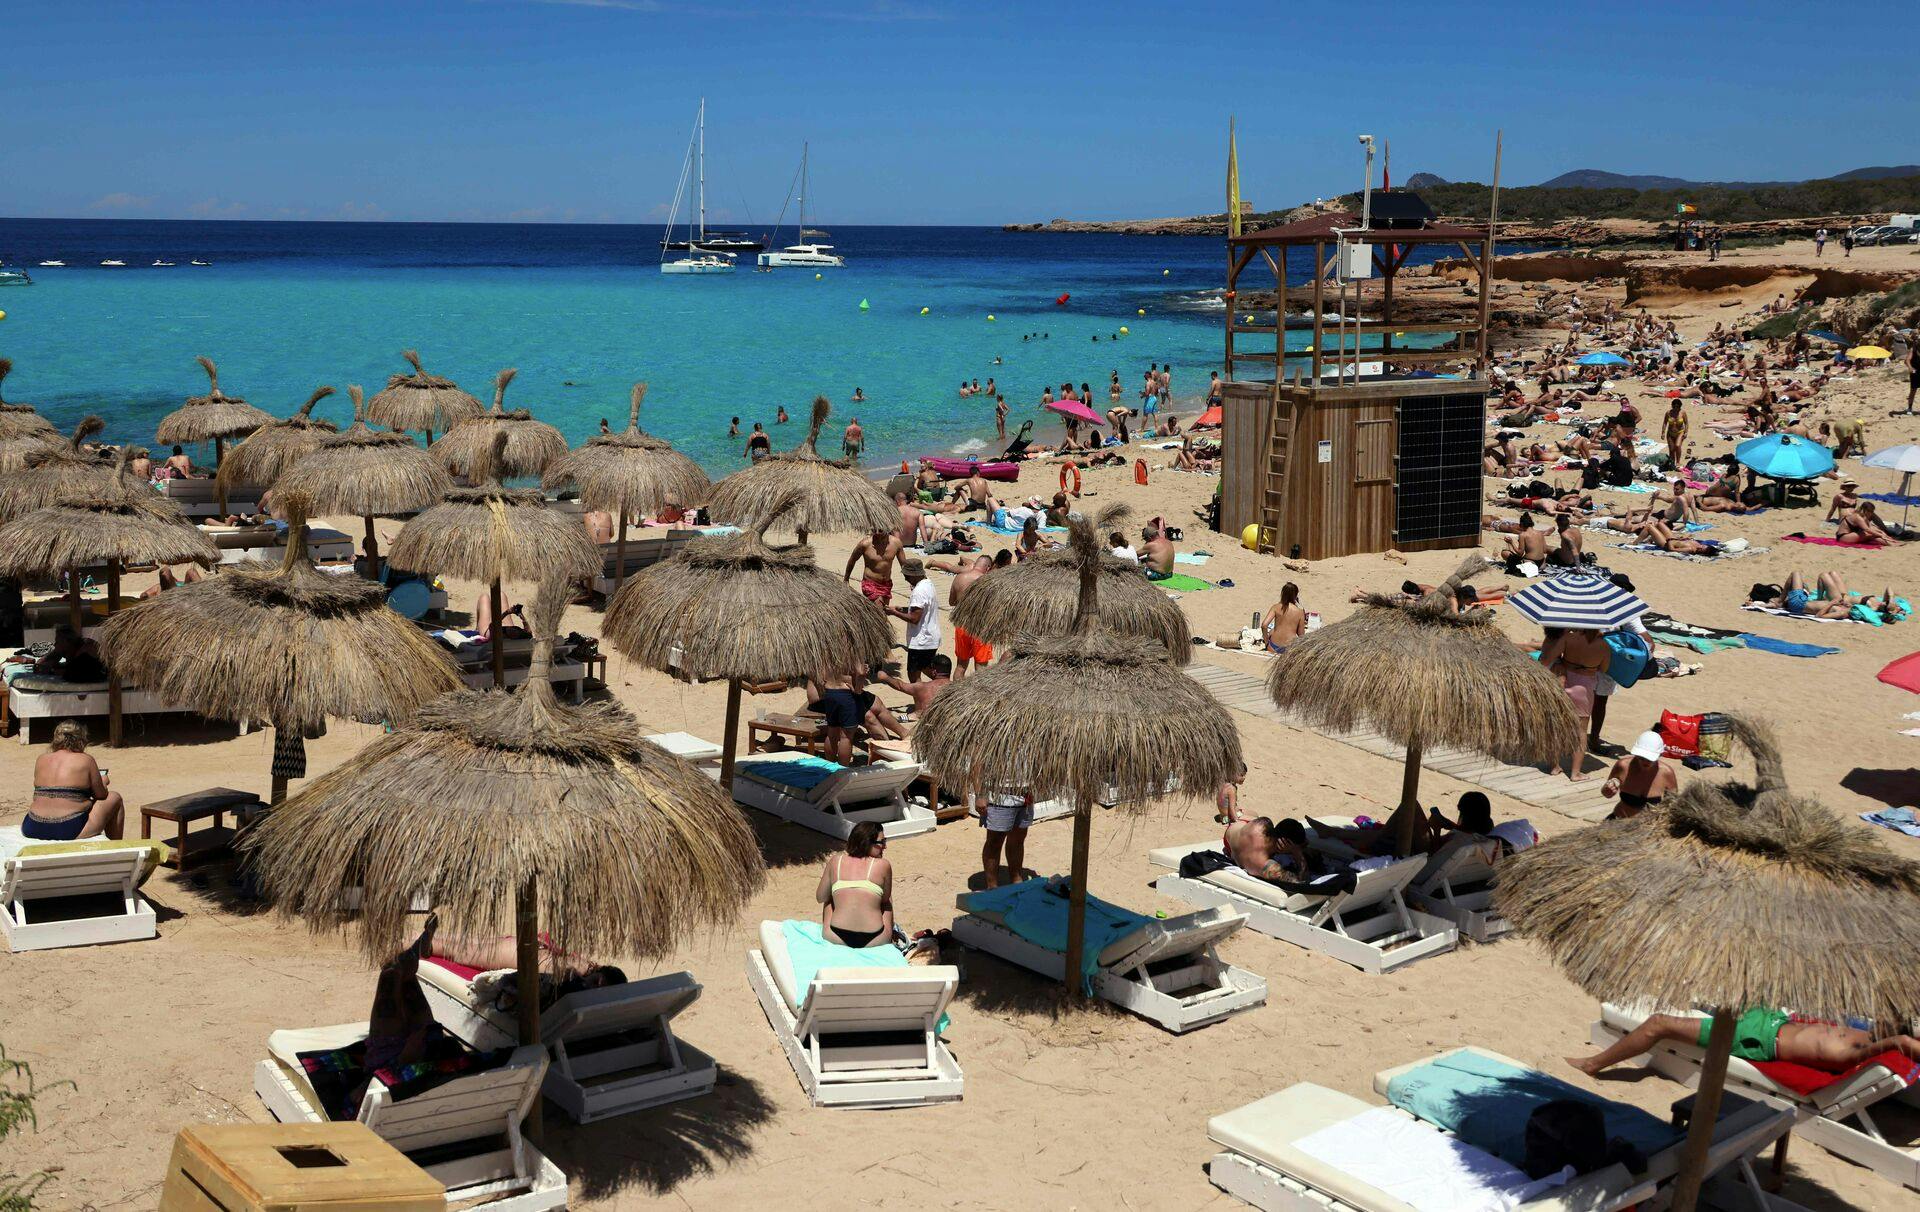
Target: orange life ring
1072,469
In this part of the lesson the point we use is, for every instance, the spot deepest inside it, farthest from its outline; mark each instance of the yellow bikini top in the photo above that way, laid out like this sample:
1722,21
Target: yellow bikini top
864,884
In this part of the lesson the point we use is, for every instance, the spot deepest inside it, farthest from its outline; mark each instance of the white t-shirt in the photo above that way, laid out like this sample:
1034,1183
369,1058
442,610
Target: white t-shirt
924,635
1127,553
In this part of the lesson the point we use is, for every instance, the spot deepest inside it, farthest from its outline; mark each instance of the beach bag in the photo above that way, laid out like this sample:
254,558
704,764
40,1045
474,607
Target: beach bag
1681,733
1628,659
1715,737
1572,1134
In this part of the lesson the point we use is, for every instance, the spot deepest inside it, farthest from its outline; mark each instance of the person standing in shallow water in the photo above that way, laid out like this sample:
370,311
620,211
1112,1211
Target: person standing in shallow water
853,441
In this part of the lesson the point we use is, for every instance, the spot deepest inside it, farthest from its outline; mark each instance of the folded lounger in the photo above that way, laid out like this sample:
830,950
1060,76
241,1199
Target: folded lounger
1310,1149
612,1049
1164,970
865,1036
1485,1099
822,795
74,894
1833,1109
464,1132
1369,927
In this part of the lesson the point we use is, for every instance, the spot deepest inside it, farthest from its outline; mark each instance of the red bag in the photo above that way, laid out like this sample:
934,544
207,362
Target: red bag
1681,733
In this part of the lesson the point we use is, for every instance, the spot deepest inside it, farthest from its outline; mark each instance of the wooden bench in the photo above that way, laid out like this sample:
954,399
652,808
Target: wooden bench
776,731
183,810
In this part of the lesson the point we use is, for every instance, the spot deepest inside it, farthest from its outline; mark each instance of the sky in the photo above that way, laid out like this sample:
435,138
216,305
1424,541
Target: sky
918,111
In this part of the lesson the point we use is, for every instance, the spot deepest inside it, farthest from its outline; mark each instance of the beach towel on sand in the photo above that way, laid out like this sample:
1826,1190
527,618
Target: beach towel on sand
1818,540
1726,553
1180,582
808,952
1766,643
1036,910
1902,820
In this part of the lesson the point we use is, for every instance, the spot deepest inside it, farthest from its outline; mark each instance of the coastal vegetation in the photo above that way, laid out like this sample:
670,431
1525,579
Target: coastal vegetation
1714,203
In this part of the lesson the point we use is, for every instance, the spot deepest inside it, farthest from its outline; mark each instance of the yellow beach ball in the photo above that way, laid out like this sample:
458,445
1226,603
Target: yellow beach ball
1250,537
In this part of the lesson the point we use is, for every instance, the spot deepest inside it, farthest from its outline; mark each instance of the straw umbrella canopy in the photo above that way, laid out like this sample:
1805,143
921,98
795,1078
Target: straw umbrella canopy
834,498
271,449
1040,594
512,814
629,473
290,645
1727,896
421,401
491,534
20,420
70,469
1423,675
738,608
214,417
531,444
1075,714
110,528
365,472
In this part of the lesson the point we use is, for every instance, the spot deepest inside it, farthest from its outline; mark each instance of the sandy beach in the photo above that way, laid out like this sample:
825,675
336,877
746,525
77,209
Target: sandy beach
1096,1109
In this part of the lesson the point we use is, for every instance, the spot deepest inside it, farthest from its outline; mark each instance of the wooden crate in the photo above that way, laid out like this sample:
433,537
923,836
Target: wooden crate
293,1168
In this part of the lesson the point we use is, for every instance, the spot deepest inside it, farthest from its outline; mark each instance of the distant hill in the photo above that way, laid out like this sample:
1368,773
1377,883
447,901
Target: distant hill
1423,181
1876,174
1715,203
1594,178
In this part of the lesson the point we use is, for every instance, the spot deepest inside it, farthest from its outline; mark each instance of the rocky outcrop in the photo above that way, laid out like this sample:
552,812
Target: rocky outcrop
1657,280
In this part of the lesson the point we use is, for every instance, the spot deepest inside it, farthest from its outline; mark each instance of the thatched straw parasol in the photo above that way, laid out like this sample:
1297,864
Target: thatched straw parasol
513,813
492,534
1075,714
1040,595
68,470
214,417
20,420
365,472
834,498
739,609
1423,676
421,401
114,528
531,444
629,473
271,449
1727,897
290,645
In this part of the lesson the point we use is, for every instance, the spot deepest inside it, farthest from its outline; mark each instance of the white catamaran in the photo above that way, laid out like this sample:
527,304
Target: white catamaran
698,259
810,252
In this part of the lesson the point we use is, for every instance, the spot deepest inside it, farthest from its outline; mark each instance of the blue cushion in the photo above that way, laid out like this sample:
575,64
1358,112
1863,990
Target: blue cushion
801,774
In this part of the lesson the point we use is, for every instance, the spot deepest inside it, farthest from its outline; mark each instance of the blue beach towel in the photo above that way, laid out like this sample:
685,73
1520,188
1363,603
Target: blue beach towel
1891,498
808,952
1901,819
1036,910
1763,643
801,774
1487,1103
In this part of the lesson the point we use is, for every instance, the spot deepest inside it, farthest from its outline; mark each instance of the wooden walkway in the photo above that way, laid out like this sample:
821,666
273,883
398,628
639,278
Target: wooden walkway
1528,784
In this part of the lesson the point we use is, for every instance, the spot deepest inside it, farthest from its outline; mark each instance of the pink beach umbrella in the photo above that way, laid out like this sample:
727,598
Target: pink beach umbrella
1076,410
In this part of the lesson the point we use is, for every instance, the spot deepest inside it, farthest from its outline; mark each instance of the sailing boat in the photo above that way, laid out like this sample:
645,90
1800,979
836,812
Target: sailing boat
699,260
809,252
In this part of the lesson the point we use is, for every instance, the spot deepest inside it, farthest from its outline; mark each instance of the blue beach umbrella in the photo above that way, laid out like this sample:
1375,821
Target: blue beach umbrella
1601,358
1578,601
1784,456
1824,335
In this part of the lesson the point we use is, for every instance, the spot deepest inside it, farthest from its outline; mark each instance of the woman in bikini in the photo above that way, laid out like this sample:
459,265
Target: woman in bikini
1577,656
70,795
856,891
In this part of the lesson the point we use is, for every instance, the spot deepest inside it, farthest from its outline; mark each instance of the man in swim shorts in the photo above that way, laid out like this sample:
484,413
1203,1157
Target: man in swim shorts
1762,1034
1007,816
879,550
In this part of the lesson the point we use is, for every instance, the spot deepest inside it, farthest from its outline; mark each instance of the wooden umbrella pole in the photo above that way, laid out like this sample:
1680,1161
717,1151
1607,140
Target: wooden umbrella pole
1706,1113
277,782
1409,801
526,919
730,744
1077,898
620,554
116,722
499,638
219,486
372,548
74,619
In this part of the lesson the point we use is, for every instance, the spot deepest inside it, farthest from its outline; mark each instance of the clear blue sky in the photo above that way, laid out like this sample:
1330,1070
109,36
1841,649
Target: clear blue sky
919,111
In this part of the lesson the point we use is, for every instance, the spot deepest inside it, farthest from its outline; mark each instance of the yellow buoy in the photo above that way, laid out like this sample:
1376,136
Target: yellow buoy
1165,272
1140,311
1123,328
925,310
989,315
1250,537
3,315
816,277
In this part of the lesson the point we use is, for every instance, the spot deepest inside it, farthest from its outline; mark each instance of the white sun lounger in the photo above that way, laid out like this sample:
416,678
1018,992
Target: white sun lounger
198,497
613,1049
465,1133
1743,1133
88,893
1836,1117
641,553
1369,927
1456,883
1260,1161
859,1037
570,676
874,792
1167,971
31,698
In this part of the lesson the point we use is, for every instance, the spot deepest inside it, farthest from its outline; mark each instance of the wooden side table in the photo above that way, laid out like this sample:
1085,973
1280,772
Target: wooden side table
183,810
807,733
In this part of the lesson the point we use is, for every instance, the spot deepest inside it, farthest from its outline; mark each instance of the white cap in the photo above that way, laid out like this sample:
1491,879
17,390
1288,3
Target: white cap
1649,745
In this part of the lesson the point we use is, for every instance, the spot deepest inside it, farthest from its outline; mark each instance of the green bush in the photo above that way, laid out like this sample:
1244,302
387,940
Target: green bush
17,1094
1712,204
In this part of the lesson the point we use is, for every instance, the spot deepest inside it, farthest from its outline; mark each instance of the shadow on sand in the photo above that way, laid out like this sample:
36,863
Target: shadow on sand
659,1148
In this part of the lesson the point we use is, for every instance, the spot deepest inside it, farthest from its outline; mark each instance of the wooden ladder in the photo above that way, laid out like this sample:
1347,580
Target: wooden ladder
1273,490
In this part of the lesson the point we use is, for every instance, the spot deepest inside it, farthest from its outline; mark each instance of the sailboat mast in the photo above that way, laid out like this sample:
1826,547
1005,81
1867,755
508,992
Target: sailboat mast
803,193
703,170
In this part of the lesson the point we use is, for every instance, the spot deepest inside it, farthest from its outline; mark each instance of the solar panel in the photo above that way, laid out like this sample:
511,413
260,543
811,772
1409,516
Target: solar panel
1438,495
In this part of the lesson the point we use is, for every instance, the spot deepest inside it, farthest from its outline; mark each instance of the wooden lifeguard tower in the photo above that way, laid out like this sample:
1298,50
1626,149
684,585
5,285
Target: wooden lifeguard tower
1350,443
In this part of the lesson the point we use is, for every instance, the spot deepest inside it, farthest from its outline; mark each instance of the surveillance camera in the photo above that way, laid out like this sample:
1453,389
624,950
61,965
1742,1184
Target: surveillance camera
1366,138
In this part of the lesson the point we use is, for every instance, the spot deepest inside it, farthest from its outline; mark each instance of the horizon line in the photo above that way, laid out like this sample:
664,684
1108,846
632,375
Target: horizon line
413,222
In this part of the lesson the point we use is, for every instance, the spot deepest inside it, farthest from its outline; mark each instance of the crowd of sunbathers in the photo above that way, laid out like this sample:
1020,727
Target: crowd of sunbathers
1289,851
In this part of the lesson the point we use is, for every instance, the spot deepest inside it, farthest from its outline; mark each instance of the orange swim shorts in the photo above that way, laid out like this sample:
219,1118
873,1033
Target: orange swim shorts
967,647
880,592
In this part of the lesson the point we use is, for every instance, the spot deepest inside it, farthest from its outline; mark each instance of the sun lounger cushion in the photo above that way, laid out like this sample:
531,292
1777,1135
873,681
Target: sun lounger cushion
42,684
796,953
1420,1165
1233,879
13,843
795,774
337,1072
1036,910
1487,1103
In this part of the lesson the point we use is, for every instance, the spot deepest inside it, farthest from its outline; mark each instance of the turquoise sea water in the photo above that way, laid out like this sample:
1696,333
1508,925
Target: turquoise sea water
583,312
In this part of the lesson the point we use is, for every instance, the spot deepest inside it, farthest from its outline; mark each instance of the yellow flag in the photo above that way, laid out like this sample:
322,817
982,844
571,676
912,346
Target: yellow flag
1233,184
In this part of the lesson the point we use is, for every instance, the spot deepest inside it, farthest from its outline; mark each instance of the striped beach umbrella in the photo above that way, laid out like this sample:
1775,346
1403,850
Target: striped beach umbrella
1582,602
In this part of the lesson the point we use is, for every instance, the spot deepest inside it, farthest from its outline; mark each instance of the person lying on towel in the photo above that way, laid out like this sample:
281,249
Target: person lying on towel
1760,1033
